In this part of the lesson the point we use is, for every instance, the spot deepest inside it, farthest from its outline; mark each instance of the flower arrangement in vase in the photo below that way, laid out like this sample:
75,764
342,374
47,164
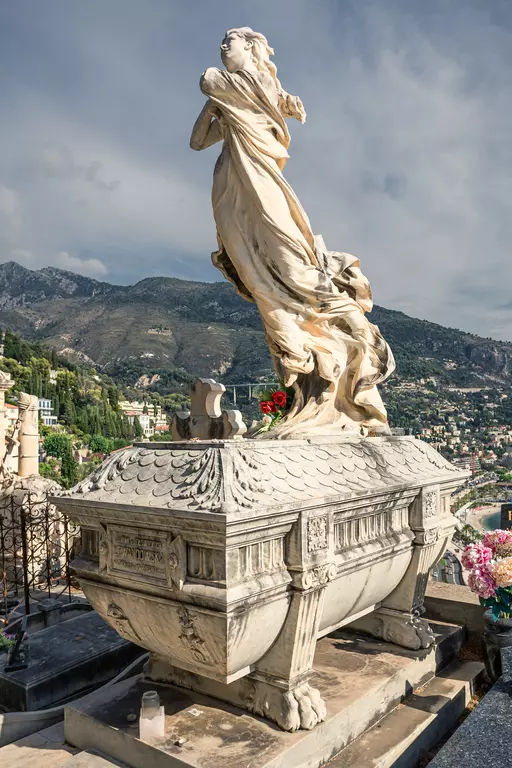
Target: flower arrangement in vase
490,571
489,562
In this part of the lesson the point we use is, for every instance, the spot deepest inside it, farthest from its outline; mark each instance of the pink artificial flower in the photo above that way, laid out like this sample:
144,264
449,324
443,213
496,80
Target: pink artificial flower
475,556
480,582
497,540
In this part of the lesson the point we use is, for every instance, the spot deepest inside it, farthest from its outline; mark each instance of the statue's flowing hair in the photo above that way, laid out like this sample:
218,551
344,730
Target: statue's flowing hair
290,106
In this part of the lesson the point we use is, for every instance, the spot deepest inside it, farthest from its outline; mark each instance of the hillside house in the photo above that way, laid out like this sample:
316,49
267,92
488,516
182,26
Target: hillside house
46,413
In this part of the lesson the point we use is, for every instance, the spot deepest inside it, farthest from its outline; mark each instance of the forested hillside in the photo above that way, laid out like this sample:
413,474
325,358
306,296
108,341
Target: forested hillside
159,333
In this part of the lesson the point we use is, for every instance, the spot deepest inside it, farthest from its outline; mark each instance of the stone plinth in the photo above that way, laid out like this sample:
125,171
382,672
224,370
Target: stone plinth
227,560
360,680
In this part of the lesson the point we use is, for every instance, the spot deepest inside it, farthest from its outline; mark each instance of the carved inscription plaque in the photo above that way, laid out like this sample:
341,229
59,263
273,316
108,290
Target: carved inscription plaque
138,554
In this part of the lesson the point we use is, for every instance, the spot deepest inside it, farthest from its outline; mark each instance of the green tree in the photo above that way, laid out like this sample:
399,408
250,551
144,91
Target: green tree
69,415
56,444
137,429
99,444
69,467
161,437
56,405
95,422
113,396
50,470
127,430
119,443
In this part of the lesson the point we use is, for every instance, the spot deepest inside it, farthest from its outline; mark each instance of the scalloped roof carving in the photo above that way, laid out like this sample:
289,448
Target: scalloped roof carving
255,474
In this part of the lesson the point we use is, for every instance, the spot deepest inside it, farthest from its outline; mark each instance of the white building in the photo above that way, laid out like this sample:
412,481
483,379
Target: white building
144,421
150,422
46,413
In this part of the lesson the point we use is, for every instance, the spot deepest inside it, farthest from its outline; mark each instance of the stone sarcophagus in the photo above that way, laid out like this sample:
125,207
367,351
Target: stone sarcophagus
227,560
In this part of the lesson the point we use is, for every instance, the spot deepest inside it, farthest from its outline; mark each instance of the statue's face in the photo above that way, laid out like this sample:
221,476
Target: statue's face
235,52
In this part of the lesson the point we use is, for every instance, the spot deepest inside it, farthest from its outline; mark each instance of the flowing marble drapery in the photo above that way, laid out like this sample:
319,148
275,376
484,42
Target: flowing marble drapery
312,301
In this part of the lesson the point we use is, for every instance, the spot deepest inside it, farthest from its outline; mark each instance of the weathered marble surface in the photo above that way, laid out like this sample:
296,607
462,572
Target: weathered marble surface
227,560
312,301
206,418
217,476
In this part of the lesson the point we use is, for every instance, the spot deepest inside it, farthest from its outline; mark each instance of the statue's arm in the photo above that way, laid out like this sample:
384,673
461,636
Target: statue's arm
207,129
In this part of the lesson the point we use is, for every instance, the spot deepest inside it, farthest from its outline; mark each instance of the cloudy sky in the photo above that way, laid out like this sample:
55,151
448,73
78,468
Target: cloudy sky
405,158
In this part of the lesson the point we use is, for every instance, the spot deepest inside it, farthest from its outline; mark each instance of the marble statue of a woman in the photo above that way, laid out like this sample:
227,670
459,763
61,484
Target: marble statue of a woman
312,301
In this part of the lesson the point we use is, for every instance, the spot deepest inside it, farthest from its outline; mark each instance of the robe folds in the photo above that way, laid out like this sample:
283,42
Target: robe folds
312,301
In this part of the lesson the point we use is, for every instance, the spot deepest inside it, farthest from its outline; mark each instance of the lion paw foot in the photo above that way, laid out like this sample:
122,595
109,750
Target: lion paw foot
303,708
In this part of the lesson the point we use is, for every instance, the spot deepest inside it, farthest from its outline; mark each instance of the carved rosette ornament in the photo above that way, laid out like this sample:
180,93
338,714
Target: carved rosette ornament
177,558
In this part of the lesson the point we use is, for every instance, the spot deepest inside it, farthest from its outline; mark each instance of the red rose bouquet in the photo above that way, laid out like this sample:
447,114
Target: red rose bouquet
274,405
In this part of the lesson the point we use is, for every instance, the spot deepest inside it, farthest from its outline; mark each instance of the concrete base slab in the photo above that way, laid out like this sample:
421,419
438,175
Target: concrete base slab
360,679
404,736
45,749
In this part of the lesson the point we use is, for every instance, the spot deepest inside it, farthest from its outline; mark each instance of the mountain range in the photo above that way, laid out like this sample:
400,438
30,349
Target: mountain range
160,331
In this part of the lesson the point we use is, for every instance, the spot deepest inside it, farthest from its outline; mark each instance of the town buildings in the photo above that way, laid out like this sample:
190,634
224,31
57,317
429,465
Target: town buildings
150,416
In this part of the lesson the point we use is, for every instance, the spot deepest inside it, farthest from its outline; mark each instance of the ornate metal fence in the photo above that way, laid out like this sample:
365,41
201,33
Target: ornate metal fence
37,544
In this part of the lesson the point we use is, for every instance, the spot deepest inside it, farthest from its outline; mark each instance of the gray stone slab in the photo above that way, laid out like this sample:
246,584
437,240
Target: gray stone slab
65,660
485,738
404,736
506,667
360,679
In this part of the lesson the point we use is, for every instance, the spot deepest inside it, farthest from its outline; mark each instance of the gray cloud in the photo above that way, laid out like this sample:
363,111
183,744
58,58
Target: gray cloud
405,160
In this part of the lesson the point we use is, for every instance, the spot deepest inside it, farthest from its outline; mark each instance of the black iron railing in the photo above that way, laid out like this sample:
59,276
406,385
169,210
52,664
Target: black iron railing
37,545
